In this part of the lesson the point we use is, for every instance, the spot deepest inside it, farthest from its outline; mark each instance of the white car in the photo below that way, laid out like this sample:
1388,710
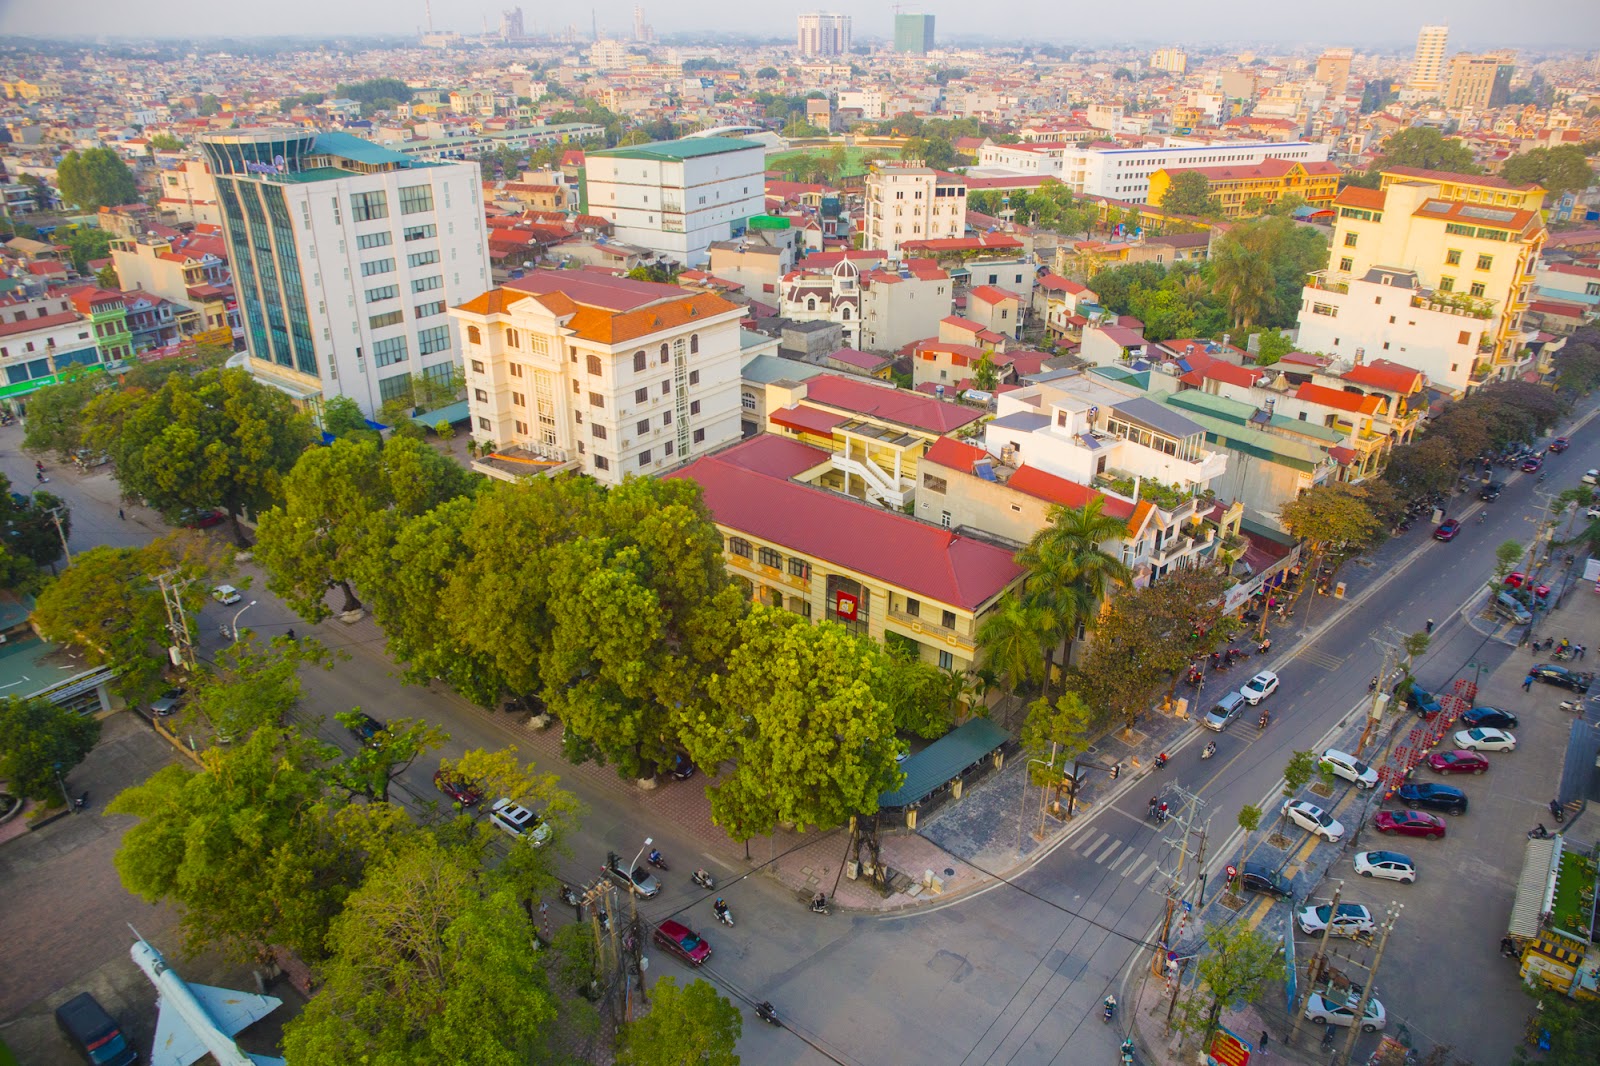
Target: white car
1314,819
1353,920
1486,739
520,822
1327,1011
1389,865
1594,511
1260,687
226,595
1590,477
1347,766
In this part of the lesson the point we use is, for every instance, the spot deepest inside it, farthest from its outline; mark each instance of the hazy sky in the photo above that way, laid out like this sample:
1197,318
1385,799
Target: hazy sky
1474,24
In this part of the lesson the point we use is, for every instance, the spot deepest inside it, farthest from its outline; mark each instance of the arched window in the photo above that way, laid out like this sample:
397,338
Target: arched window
847,314
694,343
811,303
664,355
639,359
473,336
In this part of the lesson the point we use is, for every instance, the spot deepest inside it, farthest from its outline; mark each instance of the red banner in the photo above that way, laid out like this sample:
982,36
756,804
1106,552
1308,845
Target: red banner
845,605
1228,1050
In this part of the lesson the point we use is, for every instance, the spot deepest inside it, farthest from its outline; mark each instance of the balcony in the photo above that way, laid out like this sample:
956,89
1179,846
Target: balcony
1328,281
940,634
1454,303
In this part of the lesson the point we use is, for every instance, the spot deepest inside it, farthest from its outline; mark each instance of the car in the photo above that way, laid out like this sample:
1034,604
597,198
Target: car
517,821
1409,824
167,704
1518,580
1425,703
1389,865
1314,819
95,1034
1590,477
1485,739
226,595
1460,761
1551,674
1560,444
1426,794
1223,711
458,790
1593,511
202,519
1259,877
683,942
1447,529
1491,491
1347,766
1322,1009
1491,717
1353,919
1532,464
1508,606
639,879
1259,687
366,728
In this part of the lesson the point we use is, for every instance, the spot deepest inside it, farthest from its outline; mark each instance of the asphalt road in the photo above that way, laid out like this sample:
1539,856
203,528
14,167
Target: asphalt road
1016,972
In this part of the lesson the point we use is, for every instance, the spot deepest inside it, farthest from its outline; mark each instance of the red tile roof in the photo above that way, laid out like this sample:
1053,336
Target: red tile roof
805,419
899,406
1339,399
1219,370
991,294
1036,482
987,242
1057,283
1487,181
1356,196
1268,168
922,559
1382,374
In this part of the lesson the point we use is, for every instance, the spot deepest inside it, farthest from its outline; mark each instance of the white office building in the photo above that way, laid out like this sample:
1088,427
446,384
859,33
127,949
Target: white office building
1124,173
823,35
677,197
913,203
345,256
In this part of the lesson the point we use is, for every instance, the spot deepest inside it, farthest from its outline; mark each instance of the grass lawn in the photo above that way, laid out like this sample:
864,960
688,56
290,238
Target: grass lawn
856,159
6,1057
1573,878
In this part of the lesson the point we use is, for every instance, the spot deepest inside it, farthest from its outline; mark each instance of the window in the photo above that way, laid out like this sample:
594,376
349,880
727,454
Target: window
934,484
594,366
1347,264
389,351
512,340
1349,240
1453,257
664,355
516,369
518,400
946,661
388,318
428,284
644,457
944,519
699,436
640,361
1477,288
799,568
1447,284
602,463
739,546
376,266
414,198
382,292
694,343
434,339
369,206
1485,262
666,388
948,620
596,400
480,395
1464,337
597,431
420,233
474,336
641,395
913,607
422,259
767,557
522,428
667,449
641,428
477,366
694,377
666,418
694,407
428,310
372,240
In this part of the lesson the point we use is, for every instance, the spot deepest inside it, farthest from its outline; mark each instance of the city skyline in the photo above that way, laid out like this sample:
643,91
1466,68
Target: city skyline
1366,23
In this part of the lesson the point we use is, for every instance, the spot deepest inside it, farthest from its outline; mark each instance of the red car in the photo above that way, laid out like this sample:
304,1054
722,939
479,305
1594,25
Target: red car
1409,824
1560,444
1517,579
683,942
457,789
203,519
1447,529
1458,762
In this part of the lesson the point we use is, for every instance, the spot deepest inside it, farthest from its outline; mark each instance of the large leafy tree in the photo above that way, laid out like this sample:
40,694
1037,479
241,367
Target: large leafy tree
1337,520
29,527
1239,962
1014,640
1560,170
691,1024
374,766
1189,194
96,178
248,689
38,741
1425,147
218,438
55,415
800,710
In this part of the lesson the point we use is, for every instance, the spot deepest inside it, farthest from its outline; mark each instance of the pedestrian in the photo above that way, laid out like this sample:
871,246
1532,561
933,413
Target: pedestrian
1581,650
1527,682
1266,1039
1429,628
120,515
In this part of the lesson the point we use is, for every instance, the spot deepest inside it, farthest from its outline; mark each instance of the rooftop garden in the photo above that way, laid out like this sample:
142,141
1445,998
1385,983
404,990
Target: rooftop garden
1573,909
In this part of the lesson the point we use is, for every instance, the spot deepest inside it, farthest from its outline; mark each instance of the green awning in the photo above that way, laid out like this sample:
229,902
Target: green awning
22,388
944,760
452,413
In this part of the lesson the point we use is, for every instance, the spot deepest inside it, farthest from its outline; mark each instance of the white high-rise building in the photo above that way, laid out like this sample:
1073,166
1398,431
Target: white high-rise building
824,35
1428,65
345,256
913,203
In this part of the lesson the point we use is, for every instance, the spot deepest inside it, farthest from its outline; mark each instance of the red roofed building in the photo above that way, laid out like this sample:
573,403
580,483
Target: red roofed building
828,557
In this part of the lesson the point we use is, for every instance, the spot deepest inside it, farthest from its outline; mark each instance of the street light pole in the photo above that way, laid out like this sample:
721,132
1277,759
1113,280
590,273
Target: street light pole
233,630
634,865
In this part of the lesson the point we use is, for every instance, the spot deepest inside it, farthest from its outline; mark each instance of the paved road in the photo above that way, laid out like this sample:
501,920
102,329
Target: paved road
1014,973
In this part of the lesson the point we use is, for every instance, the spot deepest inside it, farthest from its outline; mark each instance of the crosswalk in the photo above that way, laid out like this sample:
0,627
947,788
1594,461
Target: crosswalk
1116,855
1317,658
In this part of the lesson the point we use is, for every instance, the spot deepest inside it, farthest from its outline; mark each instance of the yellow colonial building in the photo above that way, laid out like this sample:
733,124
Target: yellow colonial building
1245,189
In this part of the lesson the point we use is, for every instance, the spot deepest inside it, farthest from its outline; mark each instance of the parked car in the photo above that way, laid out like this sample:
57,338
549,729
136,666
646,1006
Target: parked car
1409,824
1425,795
682,942
639,880
1490,717
1259,687
1491,491
1223,711
1447,529
366,728
1532,464
226,595
1460,761
1551,674
1322,1009
1516,579
1485,739
167,704
1259,877
1560,444
458,790
517,821
1353,919
1590,477
1314,819
202,519
1425,703
1347,766
95,1034
1507,606
1389,865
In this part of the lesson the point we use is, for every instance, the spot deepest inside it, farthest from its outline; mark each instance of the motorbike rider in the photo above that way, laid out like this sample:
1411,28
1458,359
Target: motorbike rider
1261,723
1110,1003
1211,749
655,855
720,908
819,901
1161,760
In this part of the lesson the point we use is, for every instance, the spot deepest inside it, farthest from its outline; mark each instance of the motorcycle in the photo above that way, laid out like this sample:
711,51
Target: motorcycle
1153,811
768,1013
1110,1009
1161,761
1539,832
1261,723
1574,706
1556,810
724,915
1127,1052
820,906
704,880
1209,750
569,895
1194,676
656,859
81,802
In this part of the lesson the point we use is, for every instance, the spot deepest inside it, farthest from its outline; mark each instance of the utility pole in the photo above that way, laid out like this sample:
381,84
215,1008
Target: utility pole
55,515
1199,898
182,648
1318,961
1188,814
1372,977
1380,699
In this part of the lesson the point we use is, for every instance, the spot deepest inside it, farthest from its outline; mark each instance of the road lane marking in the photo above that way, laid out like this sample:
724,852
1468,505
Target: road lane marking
1120,859
1101,840
1113,846
1145,864
1317,658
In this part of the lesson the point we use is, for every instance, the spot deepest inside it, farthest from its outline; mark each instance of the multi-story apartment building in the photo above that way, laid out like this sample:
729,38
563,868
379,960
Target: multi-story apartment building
823,35
39,337
1124,173
107,314
880,310
677,197
1427,65
1479,82
345,256
613,377
913,33
1333,70
1171,60
1433,270
912,203
1251,188
189,269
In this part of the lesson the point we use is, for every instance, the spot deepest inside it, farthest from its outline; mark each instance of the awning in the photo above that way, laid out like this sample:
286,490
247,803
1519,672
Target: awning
450,412
943,761
1534,887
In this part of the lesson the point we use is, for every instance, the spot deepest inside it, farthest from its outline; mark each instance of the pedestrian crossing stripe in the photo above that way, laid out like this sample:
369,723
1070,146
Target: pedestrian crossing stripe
1317,658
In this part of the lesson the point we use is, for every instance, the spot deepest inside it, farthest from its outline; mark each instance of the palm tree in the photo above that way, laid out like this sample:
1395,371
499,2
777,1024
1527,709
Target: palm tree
1069,573
1013,640
1243,278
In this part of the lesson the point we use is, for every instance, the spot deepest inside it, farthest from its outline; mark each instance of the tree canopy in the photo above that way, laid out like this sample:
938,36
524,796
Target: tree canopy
38,742
1560,170
94,178
1189,194
1426,148
691,1024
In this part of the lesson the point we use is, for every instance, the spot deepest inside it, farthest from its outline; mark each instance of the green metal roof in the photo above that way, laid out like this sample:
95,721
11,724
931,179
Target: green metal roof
355,149
1241,413
765,369
945,759
677,151
1261,444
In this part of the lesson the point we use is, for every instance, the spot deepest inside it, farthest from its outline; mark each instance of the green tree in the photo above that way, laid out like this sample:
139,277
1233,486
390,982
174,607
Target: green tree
1426,148
1249,817
218,438
1190,194
246,689
799,707
207,106
1337,520
106,278
1013,640
1297,773
373,767
767,73
1577,363
30,528
1560,170
1070,571
1573,1025
936,152
922,698
685,1025
986,375
85,244
342,417
166,142
1241,961
40,743
95,178
1506,558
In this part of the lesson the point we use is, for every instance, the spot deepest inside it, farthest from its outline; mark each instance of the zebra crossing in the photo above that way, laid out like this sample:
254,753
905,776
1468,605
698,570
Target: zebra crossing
1116,855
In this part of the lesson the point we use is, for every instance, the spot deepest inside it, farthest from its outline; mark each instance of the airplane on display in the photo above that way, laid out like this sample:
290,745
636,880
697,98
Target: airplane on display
196,1019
